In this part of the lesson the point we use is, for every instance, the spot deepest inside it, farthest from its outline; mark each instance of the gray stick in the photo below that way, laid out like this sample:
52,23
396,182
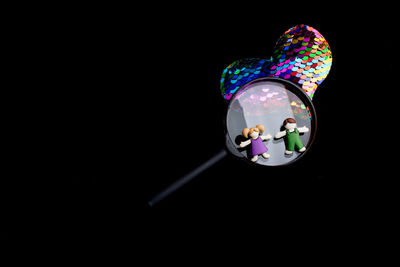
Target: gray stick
175,186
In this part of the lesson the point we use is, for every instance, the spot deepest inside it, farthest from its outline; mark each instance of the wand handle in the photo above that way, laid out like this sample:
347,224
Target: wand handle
188,177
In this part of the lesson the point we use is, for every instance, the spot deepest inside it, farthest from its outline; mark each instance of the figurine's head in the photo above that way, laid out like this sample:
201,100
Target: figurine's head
289,124
253,132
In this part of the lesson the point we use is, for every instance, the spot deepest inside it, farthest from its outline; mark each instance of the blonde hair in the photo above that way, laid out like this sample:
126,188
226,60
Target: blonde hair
247,131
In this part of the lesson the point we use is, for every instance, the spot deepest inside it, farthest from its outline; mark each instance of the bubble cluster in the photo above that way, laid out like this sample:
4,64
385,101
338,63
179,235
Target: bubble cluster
301,55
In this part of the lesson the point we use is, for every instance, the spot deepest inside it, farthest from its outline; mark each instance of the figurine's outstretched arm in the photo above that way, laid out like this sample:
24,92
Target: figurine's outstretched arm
245,143
266,137
303,129
280,134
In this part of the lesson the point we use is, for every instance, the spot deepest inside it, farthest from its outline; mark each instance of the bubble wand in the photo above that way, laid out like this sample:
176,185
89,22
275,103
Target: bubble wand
271,96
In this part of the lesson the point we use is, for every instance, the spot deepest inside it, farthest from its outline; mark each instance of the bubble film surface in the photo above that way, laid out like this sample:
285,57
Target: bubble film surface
270,98
301,55
241,72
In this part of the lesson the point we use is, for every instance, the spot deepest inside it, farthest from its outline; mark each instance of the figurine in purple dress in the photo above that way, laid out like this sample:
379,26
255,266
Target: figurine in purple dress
256,141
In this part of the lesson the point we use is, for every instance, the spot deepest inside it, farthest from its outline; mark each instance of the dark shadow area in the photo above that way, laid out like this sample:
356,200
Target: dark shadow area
238,140
103,120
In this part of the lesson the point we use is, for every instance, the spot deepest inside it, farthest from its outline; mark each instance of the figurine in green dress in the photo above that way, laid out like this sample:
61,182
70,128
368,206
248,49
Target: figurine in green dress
292,134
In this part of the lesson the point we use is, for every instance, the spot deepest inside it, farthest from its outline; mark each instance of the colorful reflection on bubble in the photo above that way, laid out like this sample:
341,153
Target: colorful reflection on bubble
271,97
301,55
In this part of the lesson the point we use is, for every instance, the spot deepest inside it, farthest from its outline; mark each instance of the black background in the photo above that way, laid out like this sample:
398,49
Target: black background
116,107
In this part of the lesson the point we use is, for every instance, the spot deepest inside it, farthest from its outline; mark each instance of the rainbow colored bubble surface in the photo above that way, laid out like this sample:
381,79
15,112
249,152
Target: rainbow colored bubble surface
301,55
241,72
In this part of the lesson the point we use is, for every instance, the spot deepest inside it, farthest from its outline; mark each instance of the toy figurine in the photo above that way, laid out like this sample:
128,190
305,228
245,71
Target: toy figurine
256,141
292,134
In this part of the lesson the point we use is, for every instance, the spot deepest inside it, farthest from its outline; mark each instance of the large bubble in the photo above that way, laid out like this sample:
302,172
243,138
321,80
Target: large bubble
269,102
